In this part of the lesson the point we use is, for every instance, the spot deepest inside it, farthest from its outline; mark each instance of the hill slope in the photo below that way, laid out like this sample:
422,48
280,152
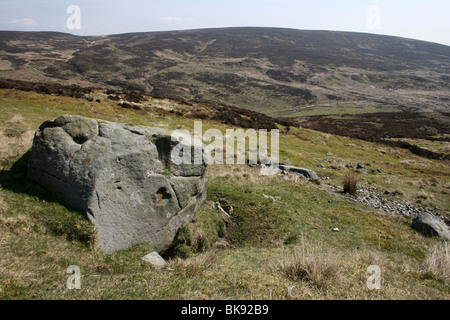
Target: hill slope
281,72
283,246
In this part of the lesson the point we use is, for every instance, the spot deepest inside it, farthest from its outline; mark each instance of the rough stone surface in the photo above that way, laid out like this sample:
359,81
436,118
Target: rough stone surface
310,174
121,176
155,260
430,226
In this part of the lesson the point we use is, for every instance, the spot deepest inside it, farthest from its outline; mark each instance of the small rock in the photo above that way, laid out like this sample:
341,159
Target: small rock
155,260
360,166
336,229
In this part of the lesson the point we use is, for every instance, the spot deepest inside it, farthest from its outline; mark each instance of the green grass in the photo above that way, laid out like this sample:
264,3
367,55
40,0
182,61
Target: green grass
435,146
274,245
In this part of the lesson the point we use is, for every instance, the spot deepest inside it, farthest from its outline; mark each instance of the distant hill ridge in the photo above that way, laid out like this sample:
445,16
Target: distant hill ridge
280,72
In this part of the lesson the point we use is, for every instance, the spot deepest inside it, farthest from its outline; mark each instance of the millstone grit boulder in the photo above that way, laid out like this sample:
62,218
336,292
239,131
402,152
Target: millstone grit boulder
121,176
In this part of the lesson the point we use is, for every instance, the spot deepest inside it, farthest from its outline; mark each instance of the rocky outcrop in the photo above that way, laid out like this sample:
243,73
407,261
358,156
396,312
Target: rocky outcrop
430,226
121,176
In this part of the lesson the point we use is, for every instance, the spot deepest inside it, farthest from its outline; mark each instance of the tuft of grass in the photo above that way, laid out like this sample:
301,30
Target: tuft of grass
291,239
349,184
438,261
319,269
195,265
17,118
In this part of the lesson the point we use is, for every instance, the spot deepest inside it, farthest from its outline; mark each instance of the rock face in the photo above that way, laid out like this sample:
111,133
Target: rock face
430,226
121,176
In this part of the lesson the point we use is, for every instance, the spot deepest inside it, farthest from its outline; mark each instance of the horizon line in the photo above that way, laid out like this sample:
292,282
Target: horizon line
221,28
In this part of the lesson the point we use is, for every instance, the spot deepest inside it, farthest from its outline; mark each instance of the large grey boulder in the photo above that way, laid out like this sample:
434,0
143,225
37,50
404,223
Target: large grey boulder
121,176
430,226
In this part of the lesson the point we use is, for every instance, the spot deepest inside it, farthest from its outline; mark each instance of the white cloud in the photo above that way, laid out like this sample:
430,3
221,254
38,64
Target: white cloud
23,23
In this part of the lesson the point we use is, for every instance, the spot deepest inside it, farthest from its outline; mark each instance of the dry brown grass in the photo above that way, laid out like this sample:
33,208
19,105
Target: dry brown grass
17,118
11,144
253,174
195,265
317,268
349,185
3,207
239,172
295,178
424,195
17,225
438,261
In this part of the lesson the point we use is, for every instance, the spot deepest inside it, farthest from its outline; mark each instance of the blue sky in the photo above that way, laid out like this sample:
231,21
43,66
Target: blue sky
425,20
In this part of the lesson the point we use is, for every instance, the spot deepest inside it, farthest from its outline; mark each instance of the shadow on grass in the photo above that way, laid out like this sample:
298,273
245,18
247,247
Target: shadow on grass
46,209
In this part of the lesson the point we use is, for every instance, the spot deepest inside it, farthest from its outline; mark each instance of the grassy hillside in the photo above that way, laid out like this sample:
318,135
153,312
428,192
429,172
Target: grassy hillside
273,243
280,72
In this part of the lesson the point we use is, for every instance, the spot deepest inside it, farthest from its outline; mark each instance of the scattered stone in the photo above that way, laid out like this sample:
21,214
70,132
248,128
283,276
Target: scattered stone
360,166
349,165
120,176
430,226
155,260
320,165
371,198
336,229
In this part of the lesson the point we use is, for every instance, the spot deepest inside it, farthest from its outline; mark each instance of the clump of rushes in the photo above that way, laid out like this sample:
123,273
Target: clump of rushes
350,184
